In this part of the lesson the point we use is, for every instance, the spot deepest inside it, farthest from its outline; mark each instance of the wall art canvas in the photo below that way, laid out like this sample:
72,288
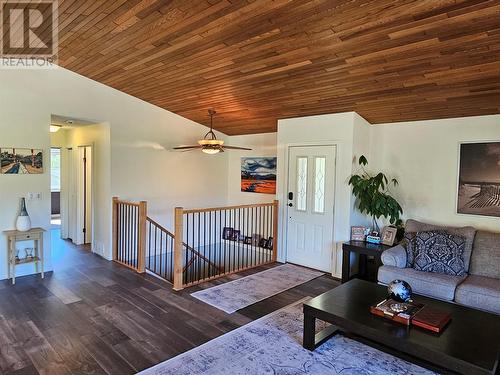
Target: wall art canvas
21,161
479,179
258,175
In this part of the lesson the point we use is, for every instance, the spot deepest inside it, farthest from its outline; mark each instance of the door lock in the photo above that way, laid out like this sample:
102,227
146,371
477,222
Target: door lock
290,196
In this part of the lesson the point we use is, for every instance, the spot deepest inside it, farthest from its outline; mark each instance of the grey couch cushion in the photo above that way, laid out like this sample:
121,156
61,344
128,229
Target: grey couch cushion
468,232
429,284
479,292
439,252
395,256
485,259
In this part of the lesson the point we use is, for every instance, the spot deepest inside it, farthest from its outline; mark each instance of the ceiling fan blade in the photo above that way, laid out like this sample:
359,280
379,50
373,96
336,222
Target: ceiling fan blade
236,148
186,147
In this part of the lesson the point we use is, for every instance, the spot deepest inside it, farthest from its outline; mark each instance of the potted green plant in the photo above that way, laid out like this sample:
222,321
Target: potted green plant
373,196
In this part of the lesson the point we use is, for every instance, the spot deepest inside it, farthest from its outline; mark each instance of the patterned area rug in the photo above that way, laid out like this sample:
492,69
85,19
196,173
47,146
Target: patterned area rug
237,294
273,345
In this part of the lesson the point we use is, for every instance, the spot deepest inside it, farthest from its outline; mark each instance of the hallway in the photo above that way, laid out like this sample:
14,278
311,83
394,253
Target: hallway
91,316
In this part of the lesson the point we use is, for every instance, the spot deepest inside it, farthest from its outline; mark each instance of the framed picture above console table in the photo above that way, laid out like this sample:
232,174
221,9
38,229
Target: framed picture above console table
31,255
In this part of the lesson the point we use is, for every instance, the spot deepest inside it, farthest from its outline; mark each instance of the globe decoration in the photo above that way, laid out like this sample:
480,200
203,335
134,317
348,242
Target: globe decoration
399,290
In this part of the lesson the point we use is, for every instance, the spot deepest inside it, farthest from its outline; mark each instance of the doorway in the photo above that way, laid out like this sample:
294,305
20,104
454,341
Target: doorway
77,195
84,212
310,210
55,187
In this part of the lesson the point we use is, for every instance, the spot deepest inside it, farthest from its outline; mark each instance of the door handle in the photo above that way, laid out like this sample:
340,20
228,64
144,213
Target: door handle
290,204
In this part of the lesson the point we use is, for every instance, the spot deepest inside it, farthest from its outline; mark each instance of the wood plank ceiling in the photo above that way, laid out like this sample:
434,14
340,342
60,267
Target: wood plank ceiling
256,61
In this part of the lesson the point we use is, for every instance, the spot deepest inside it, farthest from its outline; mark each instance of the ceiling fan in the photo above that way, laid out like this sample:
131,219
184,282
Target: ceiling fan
210,144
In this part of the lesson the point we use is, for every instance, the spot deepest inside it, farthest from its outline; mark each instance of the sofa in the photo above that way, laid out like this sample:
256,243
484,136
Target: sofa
478,288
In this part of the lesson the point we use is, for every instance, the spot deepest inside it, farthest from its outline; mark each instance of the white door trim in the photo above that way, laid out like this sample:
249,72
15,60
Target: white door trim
284,197
79,223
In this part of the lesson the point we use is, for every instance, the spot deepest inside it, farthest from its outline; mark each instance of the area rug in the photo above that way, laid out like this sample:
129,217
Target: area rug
272,345
237,294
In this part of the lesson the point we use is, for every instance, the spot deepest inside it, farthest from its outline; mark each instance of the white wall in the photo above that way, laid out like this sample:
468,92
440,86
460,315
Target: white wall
424,157
261,145
361,146
141,167
59,138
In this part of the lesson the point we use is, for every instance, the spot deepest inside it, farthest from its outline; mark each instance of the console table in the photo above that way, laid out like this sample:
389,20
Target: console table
364,249
15,236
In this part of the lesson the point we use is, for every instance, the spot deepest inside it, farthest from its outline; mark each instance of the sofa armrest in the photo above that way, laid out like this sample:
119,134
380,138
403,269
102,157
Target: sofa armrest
395,256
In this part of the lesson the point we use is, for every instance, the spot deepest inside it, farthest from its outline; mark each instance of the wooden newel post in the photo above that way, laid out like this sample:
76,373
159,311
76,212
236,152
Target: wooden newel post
179,233
115,228
275,229
141,245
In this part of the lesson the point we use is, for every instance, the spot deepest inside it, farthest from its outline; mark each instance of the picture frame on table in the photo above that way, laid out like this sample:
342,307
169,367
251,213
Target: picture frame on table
227,233
358,233
256,239
270,243
235,236
389,235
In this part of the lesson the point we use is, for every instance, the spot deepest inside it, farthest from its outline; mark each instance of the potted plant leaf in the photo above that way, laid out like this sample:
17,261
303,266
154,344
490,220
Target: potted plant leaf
373,196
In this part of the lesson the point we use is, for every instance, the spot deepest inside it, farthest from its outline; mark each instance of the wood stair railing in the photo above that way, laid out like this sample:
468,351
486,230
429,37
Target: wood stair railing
207,244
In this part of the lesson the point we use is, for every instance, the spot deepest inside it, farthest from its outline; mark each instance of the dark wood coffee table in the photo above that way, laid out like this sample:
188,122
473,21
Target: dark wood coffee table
470,344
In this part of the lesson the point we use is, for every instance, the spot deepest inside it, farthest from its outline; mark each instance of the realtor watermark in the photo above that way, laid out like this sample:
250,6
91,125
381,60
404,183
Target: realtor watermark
28,34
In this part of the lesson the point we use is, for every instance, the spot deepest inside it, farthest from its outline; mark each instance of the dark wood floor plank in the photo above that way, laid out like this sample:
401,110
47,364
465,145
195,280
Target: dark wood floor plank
91,316
73,353
12,355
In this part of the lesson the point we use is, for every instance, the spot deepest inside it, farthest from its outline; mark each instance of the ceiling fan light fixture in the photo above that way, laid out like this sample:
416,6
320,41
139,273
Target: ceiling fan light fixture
206,142
210,151
210,144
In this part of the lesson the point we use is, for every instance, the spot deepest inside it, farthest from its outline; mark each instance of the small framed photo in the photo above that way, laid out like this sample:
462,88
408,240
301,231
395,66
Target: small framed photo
263,243
389,235
235,236
269,244
256,239
248,240
227,233
358,233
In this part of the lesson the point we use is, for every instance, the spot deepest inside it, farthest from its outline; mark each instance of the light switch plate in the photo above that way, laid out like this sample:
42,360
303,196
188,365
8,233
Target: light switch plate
34,196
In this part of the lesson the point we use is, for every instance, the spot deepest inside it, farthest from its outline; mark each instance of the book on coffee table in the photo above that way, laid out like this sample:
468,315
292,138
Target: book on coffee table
400,312
431,318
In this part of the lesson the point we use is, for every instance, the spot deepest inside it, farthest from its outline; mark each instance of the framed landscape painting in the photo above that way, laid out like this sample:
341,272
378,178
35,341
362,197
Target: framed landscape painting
258,175
21,161
479,179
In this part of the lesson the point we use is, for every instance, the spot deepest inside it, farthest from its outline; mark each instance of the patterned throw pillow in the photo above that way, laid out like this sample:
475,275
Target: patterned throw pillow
439,252
409,243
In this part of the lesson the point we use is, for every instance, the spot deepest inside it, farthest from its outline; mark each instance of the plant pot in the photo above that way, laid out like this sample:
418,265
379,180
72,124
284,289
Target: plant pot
23,221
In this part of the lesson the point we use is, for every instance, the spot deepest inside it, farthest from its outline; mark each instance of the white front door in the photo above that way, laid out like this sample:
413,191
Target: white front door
311,189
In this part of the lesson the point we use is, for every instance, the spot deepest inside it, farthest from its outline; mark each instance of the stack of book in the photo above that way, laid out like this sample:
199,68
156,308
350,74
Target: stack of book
411,313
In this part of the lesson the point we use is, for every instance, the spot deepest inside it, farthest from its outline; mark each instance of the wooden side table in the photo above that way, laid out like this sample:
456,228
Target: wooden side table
364,249
15,236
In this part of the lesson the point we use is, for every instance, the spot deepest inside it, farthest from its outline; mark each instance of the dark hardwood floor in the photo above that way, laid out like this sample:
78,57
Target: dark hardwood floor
91,316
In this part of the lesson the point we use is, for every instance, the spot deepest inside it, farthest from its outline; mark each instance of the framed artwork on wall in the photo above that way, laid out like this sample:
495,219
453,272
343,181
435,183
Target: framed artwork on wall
479,179
258,175
21,161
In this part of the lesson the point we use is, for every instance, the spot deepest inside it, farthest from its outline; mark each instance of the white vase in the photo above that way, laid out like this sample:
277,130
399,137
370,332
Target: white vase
23,222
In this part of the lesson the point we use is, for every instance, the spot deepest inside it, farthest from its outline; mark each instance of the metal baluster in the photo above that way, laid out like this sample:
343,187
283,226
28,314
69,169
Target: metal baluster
218,257
187,251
